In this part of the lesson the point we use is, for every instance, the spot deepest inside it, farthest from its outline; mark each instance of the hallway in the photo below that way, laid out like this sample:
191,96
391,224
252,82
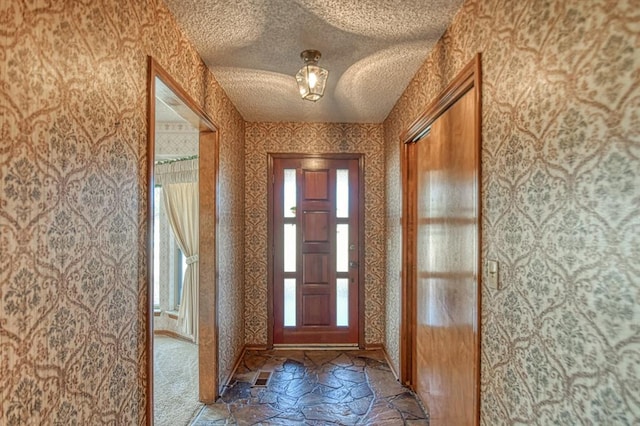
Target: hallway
559,196
314,387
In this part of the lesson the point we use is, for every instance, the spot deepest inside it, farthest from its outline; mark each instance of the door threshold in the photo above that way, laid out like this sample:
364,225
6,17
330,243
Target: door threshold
317,346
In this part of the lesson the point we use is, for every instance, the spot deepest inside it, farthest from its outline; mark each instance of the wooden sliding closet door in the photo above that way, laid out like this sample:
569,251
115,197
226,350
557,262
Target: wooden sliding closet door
447,266
442,253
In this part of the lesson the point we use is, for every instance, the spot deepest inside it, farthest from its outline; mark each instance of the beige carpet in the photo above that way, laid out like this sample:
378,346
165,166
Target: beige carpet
175,381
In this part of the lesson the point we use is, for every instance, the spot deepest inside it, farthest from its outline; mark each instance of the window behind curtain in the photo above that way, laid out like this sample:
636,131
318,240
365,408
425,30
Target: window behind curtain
157,193
177,259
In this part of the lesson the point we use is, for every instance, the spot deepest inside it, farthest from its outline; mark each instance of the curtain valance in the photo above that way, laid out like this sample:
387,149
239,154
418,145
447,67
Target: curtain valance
183,171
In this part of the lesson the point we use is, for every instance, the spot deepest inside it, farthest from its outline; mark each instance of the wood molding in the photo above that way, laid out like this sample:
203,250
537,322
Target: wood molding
373,347
361,254
469,78
151,138
466,79
236,364
208,266
270,248
256,347
407,318
383,348
477,75
389,363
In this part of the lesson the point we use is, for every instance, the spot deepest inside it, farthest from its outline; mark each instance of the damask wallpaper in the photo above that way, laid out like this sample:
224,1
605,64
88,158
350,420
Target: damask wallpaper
561,202
73,280
264,138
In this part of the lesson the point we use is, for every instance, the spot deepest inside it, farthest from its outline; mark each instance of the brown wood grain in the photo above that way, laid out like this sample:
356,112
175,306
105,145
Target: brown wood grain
440,356
446,253
315,273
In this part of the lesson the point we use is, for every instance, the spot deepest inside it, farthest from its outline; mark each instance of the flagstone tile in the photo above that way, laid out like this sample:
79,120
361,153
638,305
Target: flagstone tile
315,388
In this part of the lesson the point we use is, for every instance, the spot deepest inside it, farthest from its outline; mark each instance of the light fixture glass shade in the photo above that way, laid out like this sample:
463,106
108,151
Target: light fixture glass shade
311,78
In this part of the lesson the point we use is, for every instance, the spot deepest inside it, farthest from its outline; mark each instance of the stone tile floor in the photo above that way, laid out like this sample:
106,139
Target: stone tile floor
314,388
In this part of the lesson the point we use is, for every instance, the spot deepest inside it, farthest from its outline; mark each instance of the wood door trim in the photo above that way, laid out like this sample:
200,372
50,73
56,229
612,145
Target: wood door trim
207,131
270,247
270,238
469,78
361,253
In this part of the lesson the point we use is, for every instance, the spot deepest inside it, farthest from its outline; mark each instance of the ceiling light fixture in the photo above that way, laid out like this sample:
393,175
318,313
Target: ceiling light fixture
311,78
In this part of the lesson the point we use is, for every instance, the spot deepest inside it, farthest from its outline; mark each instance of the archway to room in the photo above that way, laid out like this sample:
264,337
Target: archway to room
181,319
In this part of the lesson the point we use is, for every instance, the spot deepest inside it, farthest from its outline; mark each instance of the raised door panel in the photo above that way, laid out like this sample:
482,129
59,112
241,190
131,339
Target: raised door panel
316,185
316,309
316,268
316,227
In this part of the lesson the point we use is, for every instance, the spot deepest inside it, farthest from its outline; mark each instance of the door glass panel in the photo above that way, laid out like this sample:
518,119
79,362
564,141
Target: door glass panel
342,193
289,247
342,248
342,302
289,302
290,193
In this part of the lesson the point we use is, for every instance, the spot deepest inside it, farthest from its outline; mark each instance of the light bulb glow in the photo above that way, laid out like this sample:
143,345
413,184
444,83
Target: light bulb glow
313,80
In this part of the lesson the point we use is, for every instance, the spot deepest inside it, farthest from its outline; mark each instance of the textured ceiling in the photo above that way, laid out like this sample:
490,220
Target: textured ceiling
371,48
176,126
166,114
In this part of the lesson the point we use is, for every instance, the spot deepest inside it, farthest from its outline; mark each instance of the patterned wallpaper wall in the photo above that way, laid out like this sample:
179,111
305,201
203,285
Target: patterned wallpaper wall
73,281
561,195
263,138
231,252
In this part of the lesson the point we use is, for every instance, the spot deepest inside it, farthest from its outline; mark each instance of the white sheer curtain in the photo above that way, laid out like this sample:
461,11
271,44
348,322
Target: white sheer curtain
179,182
176,172
181,205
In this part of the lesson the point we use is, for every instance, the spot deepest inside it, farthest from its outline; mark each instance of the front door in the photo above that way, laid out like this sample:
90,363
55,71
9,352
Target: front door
315,250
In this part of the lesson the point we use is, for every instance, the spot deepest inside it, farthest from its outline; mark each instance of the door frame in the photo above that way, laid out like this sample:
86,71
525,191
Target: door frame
469,78
270,238
208,153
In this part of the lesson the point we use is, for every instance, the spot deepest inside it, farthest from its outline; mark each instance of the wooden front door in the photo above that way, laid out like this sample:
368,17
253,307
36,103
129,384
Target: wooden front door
443,164
315,241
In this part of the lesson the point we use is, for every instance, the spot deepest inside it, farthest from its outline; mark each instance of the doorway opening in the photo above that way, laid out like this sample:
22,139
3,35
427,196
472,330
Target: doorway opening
315,241
440,356
182,215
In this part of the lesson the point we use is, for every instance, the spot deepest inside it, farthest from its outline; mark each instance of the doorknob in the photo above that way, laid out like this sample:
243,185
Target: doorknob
353,264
